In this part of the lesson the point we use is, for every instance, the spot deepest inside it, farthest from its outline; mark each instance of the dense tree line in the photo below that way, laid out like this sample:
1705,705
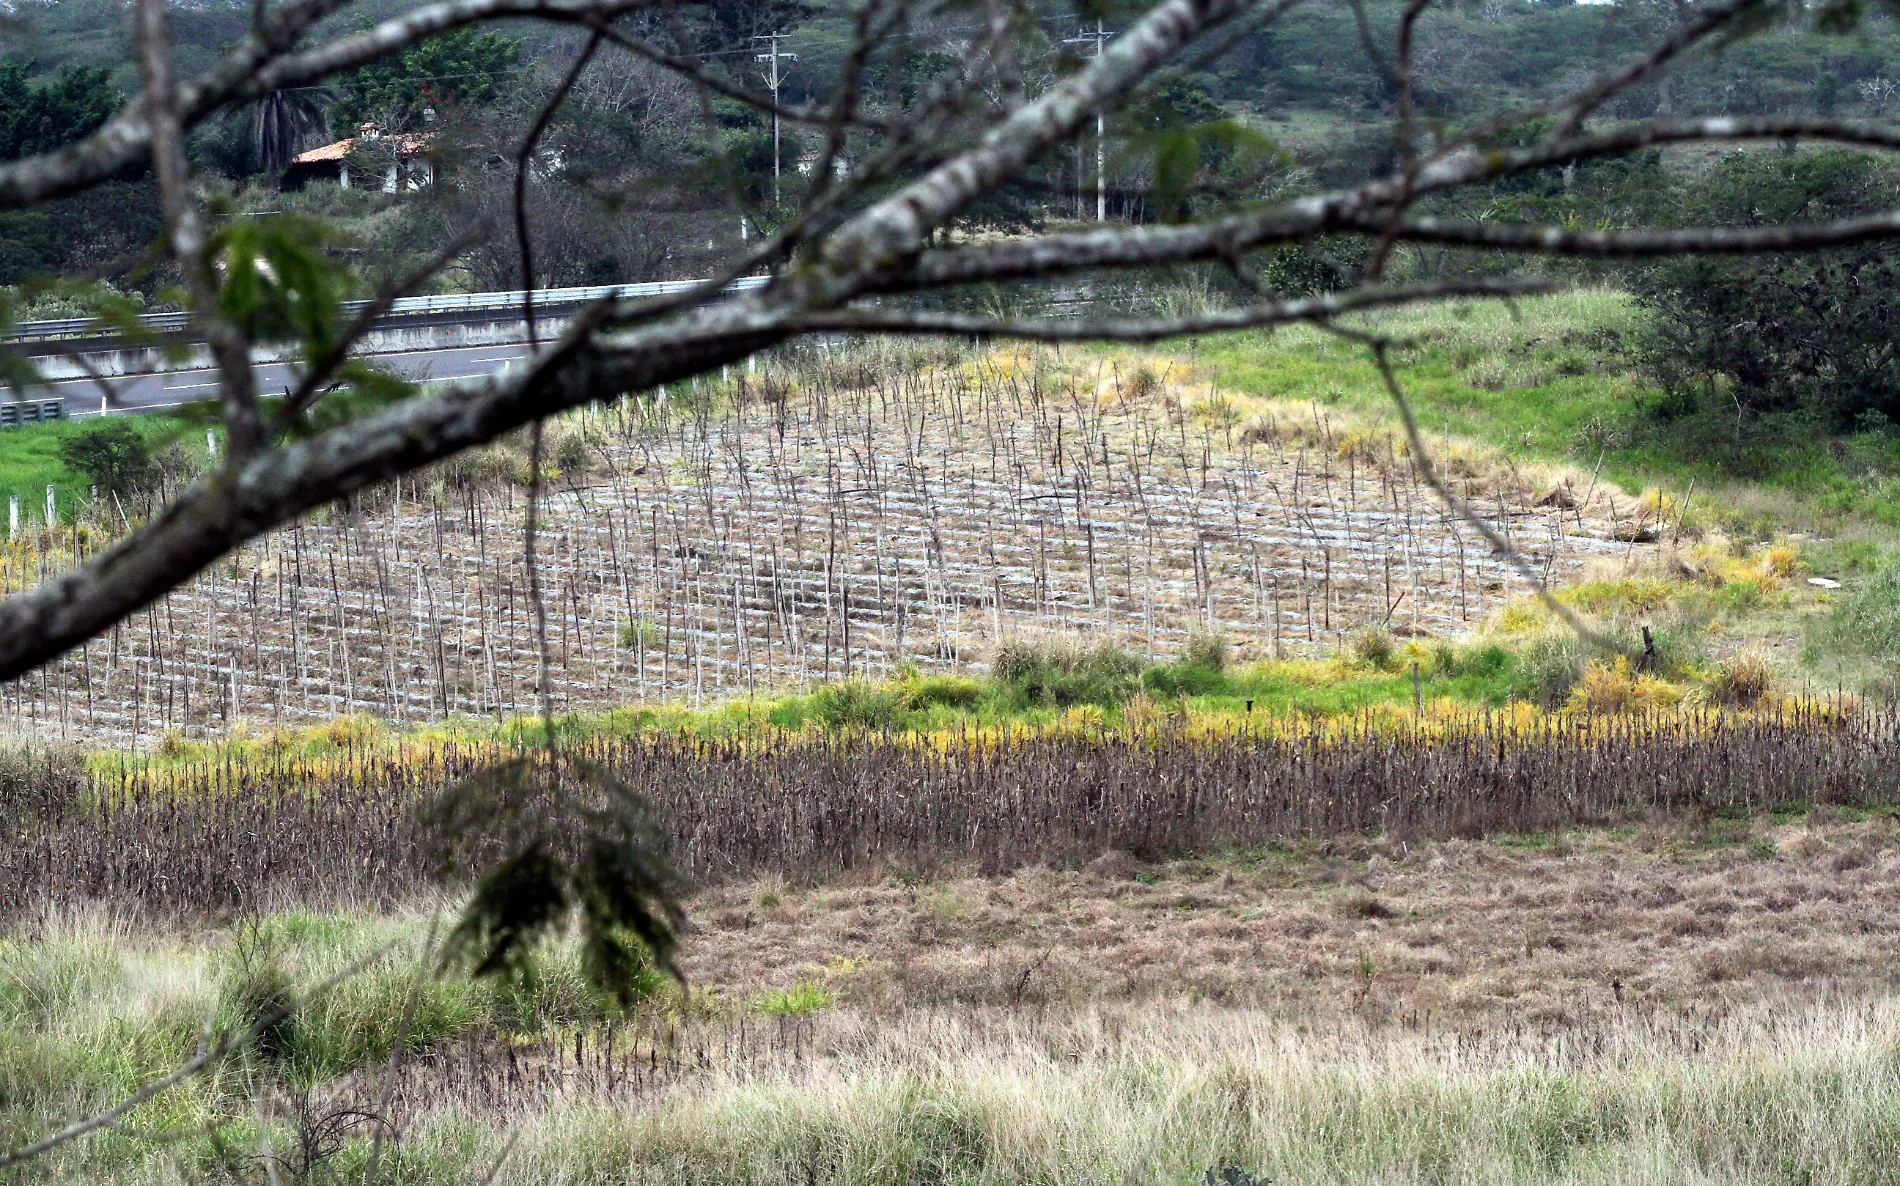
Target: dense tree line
101,230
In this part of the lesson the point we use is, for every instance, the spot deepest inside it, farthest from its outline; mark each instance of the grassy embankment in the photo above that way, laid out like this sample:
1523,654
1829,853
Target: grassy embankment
1553,379
30,460
1549,385
1527,663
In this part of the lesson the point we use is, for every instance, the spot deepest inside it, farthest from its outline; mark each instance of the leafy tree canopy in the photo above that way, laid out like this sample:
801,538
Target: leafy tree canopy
462,67
1809,335
36,119
114,455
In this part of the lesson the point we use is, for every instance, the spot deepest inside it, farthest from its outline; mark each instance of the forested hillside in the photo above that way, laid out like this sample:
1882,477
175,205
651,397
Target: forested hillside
647,177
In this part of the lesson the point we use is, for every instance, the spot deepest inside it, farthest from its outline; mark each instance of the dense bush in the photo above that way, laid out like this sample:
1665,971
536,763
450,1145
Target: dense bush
1550,667
1808,337
1057,675
855,704
113,455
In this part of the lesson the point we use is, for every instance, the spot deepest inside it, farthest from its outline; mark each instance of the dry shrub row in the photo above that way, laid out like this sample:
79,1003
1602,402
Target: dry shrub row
220,837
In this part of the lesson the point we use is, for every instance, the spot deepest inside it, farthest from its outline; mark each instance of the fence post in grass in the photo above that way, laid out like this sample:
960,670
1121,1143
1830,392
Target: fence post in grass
1306,586
13,516
52,513
1279,650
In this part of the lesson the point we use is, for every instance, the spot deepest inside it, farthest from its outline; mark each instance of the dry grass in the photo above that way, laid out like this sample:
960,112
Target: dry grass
1199,1093
214,836
1686,1001
1669,913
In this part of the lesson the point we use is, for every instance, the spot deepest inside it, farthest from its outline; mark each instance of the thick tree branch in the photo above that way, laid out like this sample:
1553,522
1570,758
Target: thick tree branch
184,227
610,348
125,139
1120,247
1557,240
275,487
895,228
1866,133
1364,210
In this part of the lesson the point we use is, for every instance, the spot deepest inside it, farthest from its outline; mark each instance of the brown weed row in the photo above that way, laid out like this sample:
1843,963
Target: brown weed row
222,837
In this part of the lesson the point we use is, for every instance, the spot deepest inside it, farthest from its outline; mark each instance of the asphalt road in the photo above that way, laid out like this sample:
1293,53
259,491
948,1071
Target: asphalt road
146,393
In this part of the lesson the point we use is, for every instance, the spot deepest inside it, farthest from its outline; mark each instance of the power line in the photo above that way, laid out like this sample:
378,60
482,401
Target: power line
774,57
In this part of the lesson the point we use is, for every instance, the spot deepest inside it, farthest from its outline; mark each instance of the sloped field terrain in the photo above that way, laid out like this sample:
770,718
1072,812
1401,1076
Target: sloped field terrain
816,524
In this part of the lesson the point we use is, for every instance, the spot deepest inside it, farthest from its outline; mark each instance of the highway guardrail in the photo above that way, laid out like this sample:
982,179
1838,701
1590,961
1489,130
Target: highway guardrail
162,325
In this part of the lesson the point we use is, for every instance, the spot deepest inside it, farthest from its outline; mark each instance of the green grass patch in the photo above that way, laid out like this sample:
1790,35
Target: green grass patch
1553,378
1039,687
30,460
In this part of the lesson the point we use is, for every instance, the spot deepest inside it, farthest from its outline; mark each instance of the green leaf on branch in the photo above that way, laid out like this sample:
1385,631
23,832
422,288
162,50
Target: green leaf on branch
580,851
279,286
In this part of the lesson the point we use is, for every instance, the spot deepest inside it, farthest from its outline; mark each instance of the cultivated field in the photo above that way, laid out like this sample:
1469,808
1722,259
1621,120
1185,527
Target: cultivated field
817,521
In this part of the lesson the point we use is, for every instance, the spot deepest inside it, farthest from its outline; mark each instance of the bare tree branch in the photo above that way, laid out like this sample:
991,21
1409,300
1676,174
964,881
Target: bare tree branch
258,66
1558,240
828,259
1407,132
1272,313
280,484
1362,210
126,138
844,103
895,229
1866,133
524,242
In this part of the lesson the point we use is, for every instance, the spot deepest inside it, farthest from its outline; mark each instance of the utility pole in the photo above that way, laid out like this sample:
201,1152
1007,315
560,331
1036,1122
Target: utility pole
1100,36
773,78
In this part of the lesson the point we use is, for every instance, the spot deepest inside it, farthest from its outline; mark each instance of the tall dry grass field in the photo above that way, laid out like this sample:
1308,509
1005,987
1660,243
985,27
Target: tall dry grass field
1164,1094
794,1089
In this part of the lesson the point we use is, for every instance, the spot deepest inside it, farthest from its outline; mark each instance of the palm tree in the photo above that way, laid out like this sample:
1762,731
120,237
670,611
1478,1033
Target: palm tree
279,124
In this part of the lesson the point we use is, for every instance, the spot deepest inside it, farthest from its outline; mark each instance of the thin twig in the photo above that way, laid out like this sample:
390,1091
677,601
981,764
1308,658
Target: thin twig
1269,313
185,231
531,527
1422,461
324,365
